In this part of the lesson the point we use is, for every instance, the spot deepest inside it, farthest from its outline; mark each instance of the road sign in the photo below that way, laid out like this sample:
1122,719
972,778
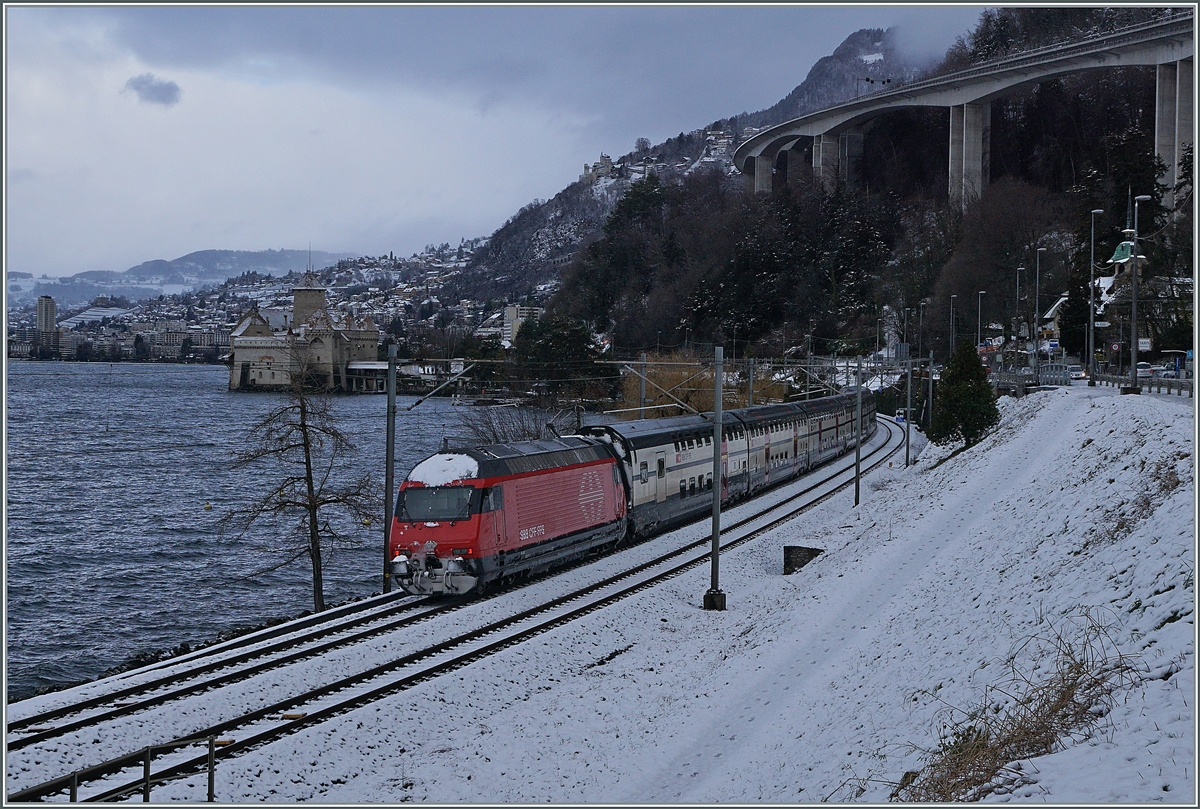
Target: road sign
1116,347
1143,344
1101,324
1053,344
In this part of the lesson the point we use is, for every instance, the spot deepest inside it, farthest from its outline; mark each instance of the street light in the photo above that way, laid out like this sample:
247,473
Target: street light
952,297
1092,306
1018,308
1133,333
868,80
979,319
1037,315
920,328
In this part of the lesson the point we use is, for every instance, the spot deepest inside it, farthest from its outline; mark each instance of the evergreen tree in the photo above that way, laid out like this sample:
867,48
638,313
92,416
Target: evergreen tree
964,406
560,352
1073,322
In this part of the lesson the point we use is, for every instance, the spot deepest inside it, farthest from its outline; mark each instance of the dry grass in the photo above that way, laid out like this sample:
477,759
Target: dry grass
1156,481
693,385
1026,717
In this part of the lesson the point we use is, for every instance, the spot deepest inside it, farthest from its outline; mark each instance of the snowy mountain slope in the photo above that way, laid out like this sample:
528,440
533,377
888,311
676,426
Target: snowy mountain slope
828,683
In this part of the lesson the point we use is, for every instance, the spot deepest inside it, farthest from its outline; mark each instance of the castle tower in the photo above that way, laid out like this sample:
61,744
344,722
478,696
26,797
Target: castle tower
307,297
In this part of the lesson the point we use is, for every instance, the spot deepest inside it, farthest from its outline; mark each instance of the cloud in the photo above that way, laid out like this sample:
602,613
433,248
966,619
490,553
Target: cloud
153,90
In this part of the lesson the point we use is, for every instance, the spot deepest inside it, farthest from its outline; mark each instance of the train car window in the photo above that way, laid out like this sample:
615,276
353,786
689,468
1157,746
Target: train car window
644,471
662,468
492,499
616,477
437,503
691,486
677,449
708,483
682,489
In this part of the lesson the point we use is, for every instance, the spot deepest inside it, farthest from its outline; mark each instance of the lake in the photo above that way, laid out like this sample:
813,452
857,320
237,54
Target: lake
110,550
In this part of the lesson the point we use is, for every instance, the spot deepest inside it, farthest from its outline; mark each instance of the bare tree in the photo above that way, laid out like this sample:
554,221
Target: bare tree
504,424
300,437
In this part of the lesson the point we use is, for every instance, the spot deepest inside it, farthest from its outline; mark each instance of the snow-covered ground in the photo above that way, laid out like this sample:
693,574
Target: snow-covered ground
1074,520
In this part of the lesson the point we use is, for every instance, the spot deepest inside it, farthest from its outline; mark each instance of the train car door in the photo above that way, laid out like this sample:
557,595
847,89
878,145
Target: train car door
660,477
491,508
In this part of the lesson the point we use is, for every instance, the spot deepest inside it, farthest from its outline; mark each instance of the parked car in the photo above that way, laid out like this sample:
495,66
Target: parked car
1076,371
1144,371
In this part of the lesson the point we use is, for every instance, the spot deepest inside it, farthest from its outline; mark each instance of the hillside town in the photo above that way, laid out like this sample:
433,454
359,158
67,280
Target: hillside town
404,298
382,299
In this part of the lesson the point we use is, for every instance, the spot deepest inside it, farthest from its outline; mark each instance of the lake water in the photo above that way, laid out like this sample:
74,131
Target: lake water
109,548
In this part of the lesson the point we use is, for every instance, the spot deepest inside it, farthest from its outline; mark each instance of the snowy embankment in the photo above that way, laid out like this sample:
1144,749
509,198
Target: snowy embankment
1073,520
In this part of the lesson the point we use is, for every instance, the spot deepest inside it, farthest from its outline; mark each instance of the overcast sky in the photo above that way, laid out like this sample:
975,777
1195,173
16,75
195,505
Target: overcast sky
139,133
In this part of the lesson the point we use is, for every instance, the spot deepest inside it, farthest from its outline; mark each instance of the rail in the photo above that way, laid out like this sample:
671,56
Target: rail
431,662
1153,384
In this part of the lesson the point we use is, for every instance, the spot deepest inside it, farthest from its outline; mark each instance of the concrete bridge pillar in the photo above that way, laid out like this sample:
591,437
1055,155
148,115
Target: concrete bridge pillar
1173,127
850,152
825,159
970,151
764,166
796,163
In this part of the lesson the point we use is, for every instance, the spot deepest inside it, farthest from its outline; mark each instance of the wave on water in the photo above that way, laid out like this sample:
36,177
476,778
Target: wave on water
110,550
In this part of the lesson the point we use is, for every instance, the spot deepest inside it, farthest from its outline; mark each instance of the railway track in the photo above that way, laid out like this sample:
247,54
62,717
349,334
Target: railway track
178,757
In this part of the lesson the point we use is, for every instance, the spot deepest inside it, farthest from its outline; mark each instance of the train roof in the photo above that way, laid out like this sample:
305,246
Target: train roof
764,414
501,460
652,432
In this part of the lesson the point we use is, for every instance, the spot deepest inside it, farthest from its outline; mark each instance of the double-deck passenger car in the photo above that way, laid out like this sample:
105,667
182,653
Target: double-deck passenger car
468,518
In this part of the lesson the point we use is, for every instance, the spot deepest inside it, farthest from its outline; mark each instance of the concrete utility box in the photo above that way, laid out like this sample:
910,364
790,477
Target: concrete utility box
797,556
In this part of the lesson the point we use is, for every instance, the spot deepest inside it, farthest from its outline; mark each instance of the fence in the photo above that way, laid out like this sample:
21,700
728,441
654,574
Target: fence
1153,384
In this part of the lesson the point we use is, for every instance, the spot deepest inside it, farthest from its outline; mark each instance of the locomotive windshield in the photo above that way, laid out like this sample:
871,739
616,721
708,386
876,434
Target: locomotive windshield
436,503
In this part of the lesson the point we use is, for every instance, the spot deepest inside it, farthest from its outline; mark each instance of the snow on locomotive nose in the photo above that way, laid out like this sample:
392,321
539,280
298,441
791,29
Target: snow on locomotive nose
467,518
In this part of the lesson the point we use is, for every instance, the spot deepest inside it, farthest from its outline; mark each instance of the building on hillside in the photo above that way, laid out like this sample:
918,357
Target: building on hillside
514,316
601,168
319,344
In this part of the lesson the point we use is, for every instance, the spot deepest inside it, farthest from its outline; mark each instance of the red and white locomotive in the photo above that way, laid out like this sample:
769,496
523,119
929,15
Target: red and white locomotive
466,519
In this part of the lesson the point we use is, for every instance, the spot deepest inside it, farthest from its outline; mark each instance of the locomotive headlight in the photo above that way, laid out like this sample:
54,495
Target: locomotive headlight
400,565
455,565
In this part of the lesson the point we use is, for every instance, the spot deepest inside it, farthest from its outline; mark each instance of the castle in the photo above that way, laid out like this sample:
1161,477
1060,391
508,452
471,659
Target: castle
317,348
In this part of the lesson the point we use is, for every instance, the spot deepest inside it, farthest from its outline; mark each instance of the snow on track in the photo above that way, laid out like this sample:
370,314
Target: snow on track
828,683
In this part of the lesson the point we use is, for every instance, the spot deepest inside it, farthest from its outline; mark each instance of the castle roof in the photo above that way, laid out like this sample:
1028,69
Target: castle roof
252,324
309,281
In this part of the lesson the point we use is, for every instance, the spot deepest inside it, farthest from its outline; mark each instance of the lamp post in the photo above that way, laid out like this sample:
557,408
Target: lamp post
714,599
920,328
1018,305
979,318
952,297
1037,315
1091,341
1133,325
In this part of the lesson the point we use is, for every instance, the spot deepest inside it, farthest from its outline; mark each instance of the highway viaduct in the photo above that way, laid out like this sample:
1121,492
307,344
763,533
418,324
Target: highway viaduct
778,154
